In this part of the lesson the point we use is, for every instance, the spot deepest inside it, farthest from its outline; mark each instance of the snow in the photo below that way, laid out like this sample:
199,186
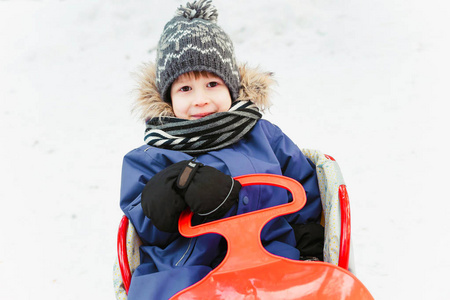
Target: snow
365,82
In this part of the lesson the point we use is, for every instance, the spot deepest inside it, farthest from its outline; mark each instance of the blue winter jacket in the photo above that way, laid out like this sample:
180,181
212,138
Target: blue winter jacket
171,262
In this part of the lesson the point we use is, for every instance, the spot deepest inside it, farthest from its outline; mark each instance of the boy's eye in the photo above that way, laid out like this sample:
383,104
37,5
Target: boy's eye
185,89
212,84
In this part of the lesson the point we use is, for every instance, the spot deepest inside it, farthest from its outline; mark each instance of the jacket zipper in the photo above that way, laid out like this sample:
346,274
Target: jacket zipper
185,252
194,158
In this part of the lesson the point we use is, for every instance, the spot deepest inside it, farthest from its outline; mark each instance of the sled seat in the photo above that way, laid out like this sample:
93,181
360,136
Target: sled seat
335,218
336,210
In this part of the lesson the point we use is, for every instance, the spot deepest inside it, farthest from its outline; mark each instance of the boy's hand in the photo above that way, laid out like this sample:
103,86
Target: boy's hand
310,240
160,200
207,191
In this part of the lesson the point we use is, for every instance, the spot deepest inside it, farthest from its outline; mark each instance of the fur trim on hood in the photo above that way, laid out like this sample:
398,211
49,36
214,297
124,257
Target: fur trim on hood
255,86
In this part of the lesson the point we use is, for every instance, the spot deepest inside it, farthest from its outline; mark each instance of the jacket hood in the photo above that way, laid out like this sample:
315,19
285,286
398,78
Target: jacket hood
255,85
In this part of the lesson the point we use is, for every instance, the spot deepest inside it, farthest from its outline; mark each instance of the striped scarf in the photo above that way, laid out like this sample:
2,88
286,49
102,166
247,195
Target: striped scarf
210,133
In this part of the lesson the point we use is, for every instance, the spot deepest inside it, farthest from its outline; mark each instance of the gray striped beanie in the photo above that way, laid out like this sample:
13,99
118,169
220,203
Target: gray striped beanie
192,41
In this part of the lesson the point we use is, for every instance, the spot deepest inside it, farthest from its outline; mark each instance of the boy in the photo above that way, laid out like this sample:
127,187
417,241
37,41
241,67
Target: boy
204,127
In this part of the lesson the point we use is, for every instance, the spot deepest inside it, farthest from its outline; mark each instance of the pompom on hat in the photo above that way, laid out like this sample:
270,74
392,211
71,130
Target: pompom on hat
192,41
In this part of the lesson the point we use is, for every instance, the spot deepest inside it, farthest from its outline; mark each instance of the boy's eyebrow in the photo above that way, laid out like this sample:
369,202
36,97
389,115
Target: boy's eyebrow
181,80
187,77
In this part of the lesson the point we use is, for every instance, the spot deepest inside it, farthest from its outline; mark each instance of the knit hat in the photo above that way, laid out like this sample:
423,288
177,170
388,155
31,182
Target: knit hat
192,41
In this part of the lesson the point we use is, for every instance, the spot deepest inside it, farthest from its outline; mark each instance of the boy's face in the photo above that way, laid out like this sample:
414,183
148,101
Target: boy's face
195,97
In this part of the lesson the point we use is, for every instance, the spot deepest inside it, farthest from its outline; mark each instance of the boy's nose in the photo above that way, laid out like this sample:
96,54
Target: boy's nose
201,98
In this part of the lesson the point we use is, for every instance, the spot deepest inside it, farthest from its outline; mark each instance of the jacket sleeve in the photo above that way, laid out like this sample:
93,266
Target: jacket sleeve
137,168
297,166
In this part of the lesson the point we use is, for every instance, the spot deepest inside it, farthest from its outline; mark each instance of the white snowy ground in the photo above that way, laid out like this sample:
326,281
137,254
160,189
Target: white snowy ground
364,81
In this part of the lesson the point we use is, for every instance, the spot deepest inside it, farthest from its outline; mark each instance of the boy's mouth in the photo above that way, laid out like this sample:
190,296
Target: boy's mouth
201,115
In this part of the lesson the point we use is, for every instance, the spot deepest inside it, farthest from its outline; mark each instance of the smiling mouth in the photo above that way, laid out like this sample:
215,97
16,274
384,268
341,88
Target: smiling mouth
202,115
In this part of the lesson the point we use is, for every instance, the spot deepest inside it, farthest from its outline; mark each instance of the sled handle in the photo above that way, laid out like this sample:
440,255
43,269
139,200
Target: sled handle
344,247
244,246
122,253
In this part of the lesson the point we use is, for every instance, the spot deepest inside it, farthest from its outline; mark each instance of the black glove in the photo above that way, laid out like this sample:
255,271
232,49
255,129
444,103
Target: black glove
161,201
310,240
207,191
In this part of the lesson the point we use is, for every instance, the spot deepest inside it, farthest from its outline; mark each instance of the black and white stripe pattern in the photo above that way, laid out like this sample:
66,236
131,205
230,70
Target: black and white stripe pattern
210,133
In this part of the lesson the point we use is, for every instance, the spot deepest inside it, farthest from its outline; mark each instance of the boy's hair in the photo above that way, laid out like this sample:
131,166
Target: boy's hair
192,41
197,74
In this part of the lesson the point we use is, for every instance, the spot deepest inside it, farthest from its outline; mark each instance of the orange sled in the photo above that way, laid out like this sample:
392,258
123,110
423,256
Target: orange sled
248,271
